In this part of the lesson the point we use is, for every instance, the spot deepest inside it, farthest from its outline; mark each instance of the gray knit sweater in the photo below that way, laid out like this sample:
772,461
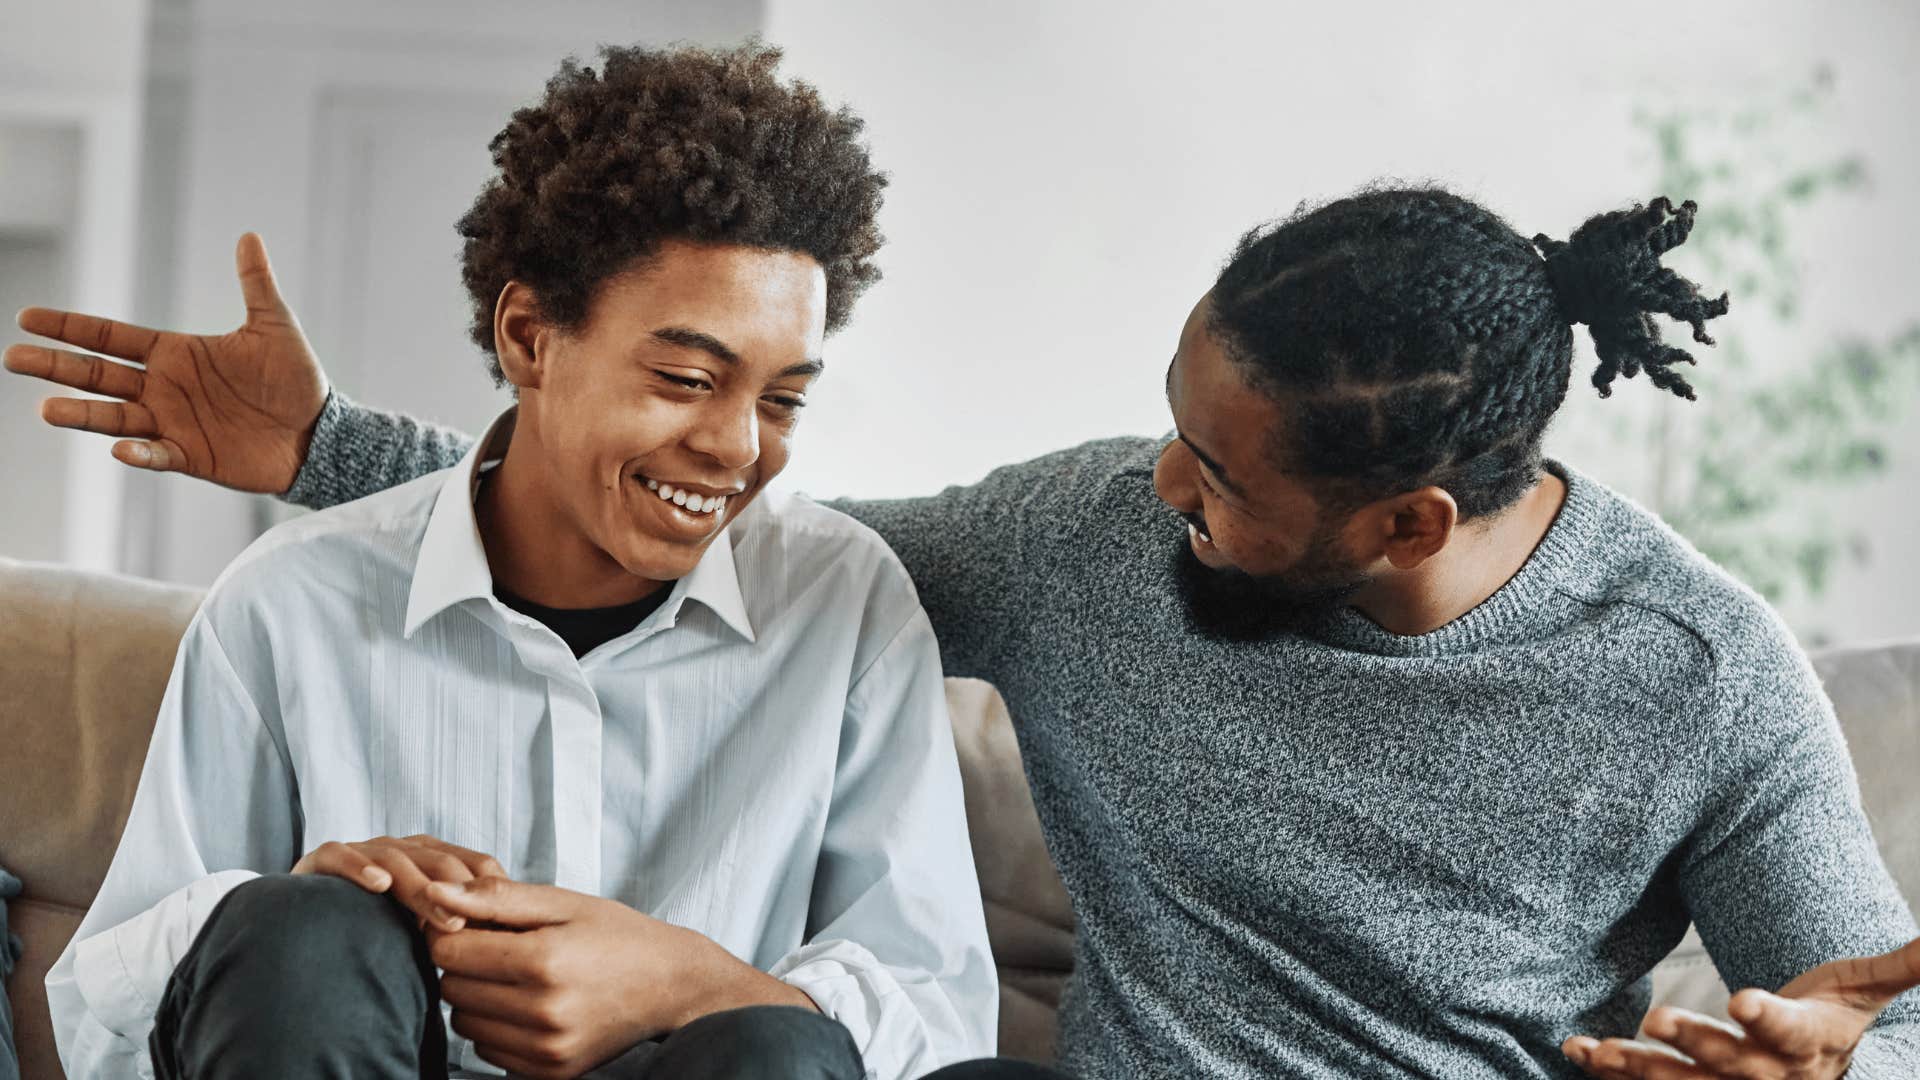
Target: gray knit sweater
1349,853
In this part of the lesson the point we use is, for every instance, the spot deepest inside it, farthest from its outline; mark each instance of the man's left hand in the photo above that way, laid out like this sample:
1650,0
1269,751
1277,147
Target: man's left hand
1807,1031
548,982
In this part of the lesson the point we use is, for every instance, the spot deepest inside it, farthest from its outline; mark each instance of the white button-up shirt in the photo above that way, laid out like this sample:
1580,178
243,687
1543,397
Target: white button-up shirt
765,759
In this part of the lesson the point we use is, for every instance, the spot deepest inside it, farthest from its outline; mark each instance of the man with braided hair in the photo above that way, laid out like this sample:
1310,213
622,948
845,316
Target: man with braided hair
1395,749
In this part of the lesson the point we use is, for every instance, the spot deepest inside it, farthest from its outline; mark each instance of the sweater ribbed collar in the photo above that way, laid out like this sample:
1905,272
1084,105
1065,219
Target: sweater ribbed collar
1519,611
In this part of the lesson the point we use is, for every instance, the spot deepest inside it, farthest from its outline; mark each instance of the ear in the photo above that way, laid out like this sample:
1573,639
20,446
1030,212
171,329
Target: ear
517,336
1414,527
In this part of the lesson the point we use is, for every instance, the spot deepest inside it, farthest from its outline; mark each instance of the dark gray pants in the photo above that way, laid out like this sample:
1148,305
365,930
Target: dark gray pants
313,977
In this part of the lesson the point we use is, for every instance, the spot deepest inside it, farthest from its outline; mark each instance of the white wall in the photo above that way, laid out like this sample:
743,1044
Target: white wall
71,77
1069,175
352,135
38,164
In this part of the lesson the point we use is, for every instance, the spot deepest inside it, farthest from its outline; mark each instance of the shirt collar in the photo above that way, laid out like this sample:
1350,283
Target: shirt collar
451,566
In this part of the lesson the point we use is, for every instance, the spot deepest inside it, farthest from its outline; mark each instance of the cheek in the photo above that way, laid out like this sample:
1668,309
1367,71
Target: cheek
1257,547
776,447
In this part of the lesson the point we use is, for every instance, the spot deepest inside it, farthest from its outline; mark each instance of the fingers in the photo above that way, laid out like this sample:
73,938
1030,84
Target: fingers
344,861
407,870
1782,1025
414,870
492,1040
257,287
90,374
101,417
1880,979
509,903
506,1002
1715,1045
124,340
499,956
1625,1059
478,863
158,455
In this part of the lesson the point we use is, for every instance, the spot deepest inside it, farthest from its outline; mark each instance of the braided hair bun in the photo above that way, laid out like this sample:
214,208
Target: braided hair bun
1608,275
1412,337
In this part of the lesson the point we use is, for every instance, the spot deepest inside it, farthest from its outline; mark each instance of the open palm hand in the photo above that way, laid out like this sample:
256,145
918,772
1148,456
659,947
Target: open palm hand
1807,1031
237,408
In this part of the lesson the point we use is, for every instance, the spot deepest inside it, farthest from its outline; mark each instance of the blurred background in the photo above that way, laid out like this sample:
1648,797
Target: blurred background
1067,178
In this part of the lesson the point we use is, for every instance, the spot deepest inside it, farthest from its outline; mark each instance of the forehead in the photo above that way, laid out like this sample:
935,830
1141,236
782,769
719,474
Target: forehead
1216,408
726,290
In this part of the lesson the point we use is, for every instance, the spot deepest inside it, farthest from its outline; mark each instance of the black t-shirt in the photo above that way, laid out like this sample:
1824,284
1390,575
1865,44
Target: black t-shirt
586,629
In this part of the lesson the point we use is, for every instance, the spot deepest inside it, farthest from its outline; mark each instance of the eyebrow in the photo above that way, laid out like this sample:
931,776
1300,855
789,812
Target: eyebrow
1206,459
683,337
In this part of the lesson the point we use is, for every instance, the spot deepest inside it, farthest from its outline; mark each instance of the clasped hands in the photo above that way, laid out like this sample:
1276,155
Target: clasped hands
547,982
1807,1031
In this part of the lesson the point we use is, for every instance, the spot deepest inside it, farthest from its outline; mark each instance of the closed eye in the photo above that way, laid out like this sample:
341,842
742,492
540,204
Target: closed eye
681,380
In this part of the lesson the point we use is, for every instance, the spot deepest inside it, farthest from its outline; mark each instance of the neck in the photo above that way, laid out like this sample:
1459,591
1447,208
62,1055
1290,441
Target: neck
1477,563
536,549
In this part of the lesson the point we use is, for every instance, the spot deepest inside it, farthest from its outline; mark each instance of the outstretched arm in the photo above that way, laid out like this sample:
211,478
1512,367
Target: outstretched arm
357,451
979,555
1790,895
249,409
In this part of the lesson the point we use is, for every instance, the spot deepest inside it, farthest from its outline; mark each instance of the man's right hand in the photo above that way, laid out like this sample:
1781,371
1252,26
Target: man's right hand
237,409
403,868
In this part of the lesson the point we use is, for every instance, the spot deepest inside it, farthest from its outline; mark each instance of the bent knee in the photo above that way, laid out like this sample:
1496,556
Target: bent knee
304,917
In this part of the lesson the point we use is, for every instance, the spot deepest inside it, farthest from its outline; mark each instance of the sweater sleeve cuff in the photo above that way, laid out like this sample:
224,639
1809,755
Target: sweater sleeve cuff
313,485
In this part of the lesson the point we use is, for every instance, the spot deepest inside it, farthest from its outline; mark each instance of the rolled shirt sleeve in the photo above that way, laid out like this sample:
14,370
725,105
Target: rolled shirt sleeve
192,821
897,943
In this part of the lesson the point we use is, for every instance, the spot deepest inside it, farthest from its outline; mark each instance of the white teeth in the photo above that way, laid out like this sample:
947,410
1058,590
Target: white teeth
692,502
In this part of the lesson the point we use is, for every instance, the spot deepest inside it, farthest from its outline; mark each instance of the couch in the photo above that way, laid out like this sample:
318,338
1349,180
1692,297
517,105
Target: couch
84,658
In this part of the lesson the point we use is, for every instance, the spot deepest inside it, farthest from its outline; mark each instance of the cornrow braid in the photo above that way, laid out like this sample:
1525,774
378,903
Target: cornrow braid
1416,339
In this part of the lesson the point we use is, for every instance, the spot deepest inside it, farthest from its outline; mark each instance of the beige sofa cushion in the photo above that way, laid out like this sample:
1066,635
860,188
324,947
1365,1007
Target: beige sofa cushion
83,661
1029,920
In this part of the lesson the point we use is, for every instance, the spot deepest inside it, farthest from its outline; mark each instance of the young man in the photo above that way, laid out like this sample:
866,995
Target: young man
1394,749
670,755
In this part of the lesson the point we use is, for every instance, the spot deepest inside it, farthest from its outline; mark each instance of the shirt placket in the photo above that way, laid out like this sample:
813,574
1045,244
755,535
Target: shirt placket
573,711
576,782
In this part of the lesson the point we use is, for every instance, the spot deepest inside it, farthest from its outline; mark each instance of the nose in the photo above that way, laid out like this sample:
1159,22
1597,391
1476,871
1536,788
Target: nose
729,433
1173,478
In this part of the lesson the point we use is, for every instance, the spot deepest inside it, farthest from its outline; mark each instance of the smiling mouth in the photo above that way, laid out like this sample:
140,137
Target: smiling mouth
691,501
1197,527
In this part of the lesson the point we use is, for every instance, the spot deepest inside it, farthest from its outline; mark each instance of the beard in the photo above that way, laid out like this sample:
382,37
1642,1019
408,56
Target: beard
1233,605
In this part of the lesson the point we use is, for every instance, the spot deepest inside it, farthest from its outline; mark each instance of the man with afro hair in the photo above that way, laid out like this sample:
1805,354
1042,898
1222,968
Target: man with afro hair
633,766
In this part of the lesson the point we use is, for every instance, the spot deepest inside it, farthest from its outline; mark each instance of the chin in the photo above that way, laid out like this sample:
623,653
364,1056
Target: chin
647,560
